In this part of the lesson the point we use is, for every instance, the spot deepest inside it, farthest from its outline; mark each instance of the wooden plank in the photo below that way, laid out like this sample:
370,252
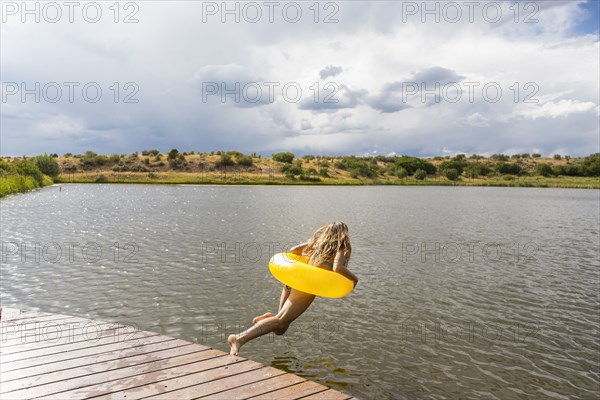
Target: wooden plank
45,348
35,315
15,329
76,357
82,371
157,343
13,332
34,356
154,364
9,313
258,388
329,394
150,383
205,384
52,333
293,392
115,361
10,329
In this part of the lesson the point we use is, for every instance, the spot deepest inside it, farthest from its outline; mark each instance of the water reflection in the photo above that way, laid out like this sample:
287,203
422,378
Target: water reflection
515,319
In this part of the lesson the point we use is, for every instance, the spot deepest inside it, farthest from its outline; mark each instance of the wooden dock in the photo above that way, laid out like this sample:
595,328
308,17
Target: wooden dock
56,356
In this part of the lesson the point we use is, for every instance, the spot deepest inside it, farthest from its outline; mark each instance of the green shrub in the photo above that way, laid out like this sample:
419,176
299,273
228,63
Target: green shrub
569,170
16,183
591,165
451,174
360,167
292,170
401,172
7,168
507,168
28,168
544,169
412,164
557,157
340,165
101,179
225,160
456,165
499,157
324,172
177,163
536,155
47,165
420,174
474,170
245,161
91,160
173,154
285,157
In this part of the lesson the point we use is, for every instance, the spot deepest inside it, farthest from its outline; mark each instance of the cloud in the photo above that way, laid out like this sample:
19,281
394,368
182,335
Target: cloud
395,96
59,126
170,53
552,109
334,97
232,84
330,70
433,75
305,124
477,119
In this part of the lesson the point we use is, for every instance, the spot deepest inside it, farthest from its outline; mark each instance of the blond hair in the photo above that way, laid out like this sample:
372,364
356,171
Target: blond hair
327,241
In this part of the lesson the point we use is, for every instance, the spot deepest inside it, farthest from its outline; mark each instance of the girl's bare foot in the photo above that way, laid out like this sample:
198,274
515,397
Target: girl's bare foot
260,318
234,344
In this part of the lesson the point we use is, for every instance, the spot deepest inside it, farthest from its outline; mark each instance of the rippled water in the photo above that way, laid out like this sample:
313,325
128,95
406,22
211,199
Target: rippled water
482,293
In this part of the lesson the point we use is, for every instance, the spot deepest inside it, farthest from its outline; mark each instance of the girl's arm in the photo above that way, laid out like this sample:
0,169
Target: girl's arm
340,266
298,248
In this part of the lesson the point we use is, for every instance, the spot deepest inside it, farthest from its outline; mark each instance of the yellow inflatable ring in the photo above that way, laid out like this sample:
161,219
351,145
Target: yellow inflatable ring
293,270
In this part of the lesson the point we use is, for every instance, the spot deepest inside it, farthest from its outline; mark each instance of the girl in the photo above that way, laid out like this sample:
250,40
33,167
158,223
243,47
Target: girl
329,248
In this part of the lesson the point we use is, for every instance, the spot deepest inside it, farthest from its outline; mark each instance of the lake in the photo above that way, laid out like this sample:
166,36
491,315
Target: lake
464,292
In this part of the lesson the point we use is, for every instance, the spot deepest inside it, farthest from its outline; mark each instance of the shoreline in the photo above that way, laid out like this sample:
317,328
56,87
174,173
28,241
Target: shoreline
593,184
192,179
19,175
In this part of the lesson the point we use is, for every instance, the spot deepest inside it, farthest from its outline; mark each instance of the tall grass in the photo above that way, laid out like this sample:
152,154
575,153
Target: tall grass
13,180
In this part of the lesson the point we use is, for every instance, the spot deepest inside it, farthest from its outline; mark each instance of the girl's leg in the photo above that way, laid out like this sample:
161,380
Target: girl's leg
284,295
294,306
256,320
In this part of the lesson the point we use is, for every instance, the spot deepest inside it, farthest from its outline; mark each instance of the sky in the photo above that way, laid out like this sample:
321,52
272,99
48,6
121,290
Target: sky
323,78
